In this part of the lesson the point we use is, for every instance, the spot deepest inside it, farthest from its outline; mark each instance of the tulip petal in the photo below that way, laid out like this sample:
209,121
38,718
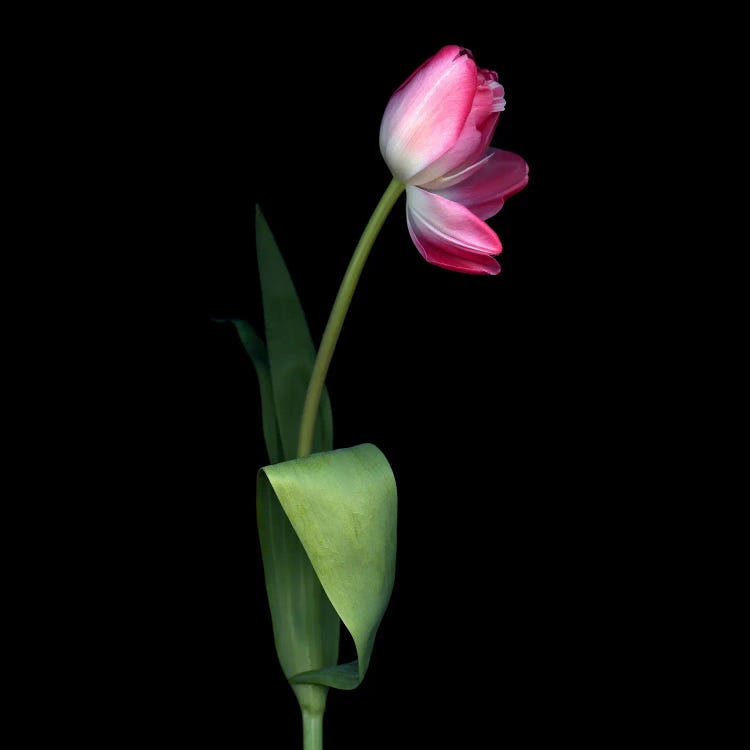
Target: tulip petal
472,143
426,115
498,105
449,235
484,191
458,175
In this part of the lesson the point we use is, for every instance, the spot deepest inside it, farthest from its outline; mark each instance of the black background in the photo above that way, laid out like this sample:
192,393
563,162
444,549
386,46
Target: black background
498,401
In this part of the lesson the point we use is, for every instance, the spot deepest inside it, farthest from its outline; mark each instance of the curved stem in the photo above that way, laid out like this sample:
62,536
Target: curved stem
338,314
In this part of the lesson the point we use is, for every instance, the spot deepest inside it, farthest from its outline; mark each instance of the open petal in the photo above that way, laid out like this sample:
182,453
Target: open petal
426,115
485,189
457,175
448,235
486,265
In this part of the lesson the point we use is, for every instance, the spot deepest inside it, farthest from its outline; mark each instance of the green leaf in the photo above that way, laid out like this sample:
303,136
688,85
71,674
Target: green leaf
342,506
291,352
257,351
305,625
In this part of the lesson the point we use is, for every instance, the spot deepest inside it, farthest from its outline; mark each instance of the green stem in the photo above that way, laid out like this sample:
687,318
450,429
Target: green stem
312,731
338,314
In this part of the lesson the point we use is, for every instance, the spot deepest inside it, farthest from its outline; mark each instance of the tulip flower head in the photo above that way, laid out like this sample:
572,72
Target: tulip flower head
435,138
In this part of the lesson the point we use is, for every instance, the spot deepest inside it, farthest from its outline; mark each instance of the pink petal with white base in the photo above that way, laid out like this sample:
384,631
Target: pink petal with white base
426,115
472,143
484,191
447,234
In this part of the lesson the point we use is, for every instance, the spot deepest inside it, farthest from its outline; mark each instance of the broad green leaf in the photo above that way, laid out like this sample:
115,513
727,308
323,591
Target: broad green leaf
291,352
305,625
342,506
257,351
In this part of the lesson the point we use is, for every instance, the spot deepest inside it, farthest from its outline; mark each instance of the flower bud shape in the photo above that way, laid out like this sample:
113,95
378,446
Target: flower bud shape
435,138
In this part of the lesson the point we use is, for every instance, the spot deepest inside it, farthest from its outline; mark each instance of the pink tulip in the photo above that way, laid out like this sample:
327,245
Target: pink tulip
435,139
